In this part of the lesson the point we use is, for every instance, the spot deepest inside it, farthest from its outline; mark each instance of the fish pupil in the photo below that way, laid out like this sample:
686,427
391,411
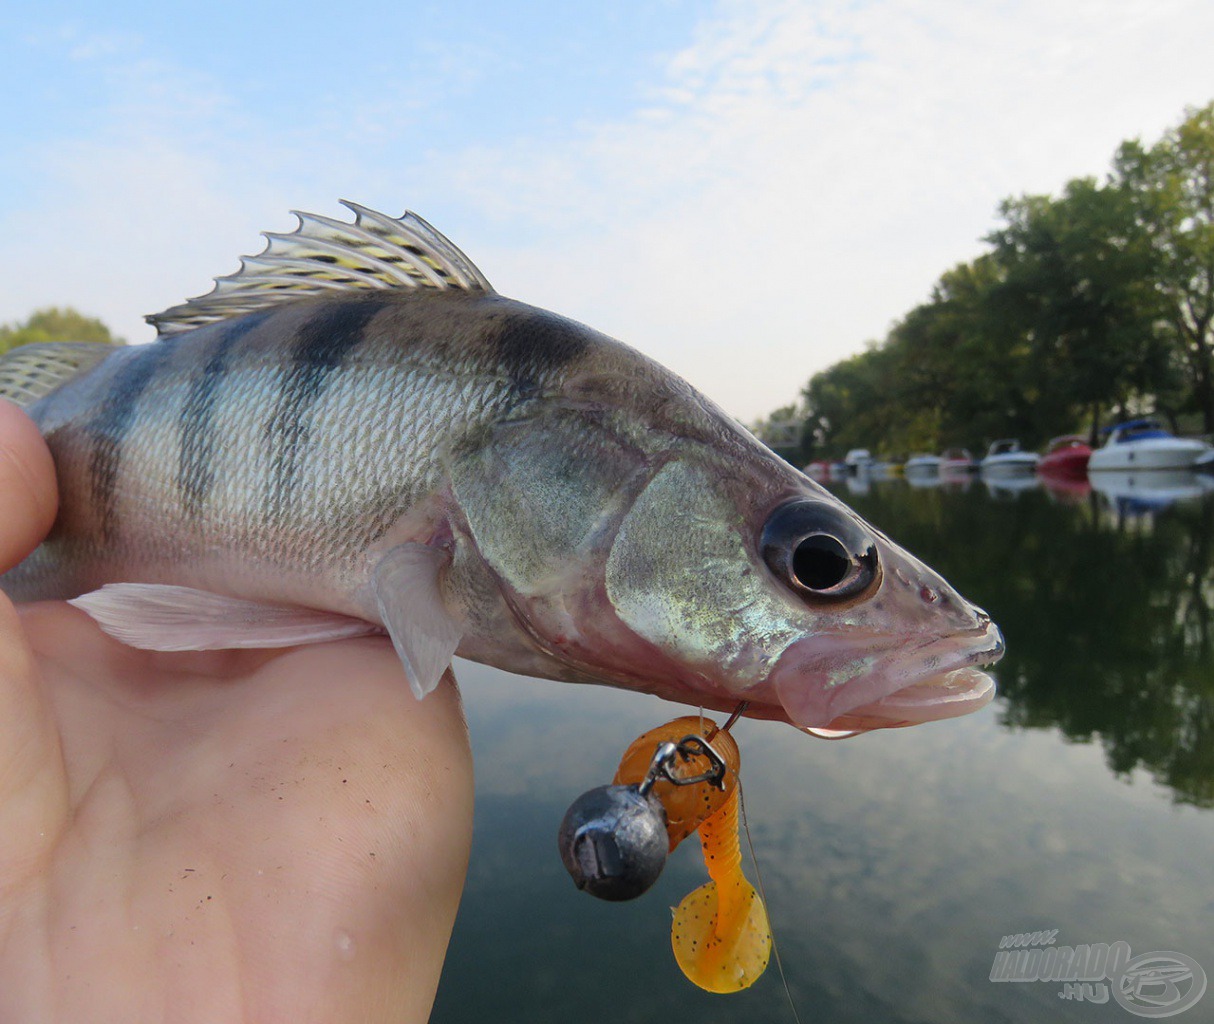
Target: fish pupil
820,562
819,551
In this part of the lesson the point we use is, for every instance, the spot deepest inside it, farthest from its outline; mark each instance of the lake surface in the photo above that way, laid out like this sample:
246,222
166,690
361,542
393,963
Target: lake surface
1082,800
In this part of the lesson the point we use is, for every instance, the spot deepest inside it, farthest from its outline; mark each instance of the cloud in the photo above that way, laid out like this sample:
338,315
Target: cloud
803,173
787,184
172,180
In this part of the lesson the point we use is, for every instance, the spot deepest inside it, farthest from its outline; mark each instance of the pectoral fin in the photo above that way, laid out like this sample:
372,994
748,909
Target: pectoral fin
411,606
160,617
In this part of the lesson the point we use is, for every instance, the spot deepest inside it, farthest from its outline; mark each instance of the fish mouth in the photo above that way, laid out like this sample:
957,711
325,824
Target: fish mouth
855,684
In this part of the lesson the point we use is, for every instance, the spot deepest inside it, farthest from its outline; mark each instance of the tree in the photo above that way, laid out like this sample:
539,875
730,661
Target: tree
1079,289
846,404
962,360
1101,298
1171,186
55,324
782,432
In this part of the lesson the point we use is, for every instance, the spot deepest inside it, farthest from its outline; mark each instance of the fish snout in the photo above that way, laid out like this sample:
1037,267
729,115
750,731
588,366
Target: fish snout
868,682
998,647
920,598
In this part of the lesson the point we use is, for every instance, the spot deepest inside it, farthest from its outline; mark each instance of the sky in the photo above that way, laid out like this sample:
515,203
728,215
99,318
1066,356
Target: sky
747,190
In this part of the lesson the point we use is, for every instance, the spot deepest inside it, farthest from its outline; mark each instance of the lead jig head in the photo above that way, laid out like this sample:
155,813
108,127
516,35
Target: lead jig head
613,841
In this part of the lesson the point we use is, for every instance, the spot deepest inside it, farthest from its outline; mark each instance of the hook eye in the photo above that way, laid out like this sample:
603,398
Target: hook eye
692,745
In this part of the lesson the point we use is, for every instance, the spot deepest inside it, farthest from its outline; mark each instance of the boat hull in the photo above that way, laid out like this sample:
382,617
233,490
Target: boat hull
1150,453
1071,464
1007,466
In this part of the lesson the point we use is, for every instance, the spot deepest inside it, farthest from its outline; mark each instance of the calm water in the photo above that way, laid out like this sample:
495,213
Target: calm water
1082,800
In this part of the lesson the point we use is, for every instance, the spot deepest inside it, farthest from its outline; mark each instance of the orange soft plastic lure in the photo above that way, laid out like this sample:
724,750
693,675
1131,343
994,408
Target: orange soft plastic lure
687,807
720,934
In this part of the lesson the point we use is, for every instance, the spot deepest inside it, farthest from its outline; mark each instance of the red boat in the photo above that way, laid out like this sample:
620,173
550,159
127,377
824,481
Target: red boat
818,470
1066,457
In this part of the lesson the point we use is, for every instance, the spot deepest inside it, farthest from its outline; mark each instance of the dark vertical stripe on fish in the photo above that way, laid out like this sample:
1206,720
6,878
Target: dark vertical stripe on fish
535,344
109,428
324,341
195,470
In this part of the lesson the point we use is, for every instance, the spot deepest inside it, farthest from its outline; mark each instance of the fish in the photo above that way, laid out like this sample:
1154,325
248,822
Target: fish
354,433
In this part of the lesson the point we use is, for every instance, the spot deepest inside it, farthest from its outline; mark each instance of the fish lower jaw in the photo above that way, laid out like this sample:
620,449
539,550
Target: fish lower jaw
899,687
947,695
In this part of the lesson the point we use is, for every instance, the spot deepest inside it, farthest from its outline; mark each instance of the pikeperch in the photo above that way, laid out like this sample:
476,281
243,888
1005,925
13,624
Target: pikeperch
356,433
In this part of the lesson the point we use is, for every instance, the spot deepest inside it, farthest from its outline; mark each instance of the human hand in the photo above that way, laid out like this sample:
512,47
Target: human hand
229,836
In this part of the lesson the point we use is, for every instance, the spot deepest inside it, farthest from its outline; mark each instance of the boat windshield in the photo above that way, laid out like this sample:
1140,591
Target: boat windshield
1141,434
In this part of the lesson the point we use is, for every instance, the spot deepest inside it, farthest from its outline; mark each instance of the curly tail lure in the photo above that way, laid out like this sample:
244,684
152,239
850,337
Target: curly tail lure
673,781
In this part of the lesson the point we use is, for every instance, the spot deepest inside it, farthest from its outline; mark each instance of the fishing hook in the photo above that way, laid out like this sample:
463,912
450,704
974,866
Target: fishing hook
688,747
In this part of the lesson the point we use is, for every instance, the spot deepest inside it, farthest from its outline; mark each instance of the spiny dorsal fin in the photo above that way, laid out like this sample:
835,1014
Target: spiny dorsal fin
28,372
323,255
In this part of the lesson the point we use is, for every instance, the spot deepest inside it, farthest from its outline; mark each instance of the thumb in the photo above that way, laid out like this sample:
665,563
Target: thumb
28,497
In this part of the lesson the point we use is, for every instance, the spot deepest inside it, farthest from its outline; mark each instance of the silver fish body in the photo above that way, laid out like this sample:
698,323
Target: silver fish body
471,473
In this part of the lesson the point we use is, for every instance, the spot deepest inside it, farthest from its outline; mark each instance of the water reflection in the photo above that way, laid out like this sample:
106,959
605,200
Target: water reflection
1130,494
1066,490
1106,603
1005,487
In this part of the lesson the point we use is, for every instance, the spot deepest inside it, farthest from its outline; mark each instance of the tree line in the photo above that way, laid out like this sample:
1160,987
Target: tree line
1087,306
55,324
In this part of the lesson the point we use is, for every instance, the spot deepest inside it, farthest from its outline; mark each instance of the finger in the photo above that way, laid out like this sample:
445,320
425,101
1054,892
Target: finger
28,497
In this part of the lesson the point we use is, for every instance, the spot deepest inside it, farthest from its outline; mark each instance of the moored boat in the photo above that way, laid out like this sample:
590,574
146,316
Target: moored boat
1007,459
922,466
1144,444
1066,457
818,470
858,460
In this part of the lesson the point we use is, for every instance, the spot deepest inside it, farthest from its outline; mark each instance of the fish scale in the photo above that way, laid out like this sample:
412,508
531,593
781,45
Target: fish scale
232,473
355,433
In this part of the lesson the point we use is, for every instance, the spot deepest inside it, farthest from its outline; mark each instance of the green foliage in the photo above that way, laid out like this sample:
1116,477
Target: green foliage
1087,305
782,433
1171,187
1079,287
55,324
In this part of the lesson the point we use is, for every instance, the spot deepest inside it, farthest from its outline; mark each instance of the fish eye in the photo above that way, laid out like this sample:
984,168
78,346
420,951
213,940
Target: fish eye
818,550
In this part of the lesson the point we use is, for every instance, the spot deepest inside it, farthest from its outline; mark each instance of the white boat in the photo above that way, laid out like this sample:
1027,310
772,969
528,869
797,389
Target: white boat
922,466
858,460
1007,459
1144,444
